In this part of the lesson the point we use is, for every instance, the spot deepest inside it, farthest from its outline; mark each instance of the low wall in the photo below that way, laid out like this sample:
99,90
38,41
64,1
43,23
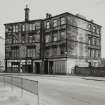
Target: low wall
90,71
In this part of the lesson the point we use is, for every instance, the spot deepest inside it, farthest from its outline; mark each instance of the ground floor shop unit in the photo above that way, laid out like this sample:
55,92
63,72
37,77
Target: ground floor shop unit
46,66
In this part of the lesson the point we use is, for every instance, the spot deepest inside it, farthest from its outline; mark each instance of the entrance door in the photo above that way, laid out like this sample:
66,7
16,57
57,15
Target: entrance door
51,67
46,67
30,70
37,67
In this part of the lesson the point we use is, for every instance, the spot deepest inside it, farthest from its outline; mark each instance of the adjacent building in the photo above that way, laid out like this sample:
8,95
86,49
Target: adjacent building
53,45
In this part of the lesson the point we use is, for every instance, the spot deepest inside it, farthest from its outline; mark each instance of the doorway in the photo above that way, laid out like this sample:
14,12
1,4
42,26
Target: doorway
37,67
30,68
46,67
51,67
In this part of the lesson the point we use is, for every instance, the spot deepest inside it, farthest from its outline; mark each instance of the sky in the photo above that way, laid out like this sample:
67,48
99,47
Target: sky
13,11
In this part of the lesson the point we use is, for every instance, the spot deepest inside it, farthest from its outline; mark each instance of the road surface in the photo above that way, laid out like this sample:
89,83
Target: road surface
70,90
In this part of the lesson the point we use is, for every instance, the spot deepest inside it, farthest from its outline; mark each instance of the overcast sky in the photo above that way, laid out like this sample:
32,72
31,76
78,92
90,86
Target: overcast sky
13,10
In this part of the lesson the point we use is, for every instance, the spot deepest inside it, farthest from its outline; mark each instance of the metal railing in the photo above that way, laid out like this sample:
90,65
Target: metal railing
24,84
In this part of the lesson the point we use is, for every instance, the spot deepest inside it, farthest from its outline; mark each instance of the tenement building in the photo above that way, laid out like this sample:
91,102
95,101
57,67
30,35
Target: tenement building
53,45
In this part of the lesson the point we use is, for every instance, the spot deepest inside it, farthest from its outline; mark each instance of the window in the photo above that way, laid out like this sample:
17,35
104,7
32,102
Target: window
15,38
47,38
90,40
48,25
27,27
54,50
23,38
47,52
30,38
89,52
17,28
23,27
32,26
31,51
55,38
54,23
97,54
89,26
8,39
98,42
36,38
62,49
94,29
14,28
37,25
63,35
63,20
98,31
9,28
15,51
95,41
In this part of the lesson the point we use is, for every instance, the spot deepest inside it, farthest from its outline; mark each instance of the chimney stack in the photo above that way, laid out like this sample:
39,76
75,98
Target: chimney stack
27,13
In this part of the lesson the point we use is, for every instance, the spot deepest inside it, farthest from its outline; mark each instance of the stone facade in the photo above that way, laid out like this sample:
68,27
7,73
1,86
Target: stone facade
53,45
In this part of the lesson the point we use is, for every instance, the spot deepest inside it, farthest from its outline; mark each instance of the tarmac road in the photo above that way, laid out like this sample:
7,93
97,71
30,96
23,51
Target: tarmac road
70,90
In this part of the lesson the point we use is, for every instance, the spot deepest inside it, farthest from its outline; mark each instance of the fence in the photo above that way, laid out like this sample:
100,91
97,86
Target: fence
90,71
25,84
